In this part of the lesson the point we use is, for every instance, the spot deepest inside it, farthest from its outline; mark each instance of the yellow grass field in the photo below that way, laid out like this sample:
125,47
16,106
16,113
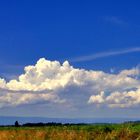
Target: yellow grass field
87,132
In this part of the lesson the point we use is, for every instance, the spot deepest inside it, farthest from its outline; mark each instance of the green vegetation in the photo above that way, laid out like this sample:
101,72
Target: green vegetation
127,131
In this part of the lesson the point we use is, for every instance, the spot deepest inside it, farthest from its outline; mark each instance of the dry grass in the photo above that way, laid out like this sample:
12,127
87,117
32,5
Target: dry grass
66,133
22,135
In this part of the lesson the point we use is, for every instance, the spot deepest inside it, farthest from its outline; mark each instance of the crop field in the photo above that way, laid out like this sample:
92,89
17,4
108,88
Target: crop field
129,131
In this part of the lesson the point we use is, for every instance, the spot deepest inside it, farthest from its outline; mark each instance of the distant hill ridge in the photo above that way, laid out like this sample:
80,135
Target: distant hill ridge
10,120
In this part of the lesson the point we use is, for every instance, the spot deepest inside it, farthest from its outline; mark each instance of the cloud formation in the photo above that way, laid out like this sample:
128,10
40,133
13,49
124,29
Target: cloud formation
118,99
105,54
52,82
115,20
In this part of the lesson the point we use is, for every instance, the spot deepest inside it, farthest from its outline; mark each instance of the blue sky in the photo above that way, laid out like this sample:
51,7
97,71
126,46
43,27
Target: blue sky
69,30
60,30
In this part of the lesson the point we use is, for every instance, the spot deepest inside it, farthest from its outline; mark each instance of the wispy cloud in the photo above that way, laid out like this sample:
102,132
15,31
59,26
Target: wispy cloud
116,20
104,54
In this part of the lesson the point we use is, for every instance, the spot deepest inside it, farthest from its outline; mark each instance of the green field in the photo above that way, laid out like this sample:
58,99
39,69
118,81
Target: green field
129,131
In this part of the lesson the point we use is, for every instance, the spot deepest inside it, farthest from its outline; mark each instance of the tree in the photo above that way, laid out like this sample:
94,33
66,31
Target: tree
16,124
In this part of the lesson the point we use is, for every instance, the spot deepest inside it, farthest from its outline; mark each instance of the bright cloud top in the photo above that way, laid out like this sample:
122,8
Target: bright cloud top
52,82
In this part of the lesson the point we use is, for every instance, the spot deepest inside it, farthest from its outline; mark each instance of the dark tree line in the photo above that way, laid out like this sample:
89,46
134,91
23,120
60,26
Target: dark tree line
44,124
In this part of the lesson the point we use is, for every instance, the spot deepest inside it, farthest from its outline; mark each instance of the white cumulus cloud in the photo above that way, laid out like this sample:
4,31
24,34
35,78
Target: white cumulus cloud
50,81
118,99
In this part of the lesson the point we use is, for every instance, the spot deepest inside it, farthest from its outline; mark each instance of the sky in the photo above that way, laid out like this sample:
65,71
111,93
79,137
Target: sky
70,58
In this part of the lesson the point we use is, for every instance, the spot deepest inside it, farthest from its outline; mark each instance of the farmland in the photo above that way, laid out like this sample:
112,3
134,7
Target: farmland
126,131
